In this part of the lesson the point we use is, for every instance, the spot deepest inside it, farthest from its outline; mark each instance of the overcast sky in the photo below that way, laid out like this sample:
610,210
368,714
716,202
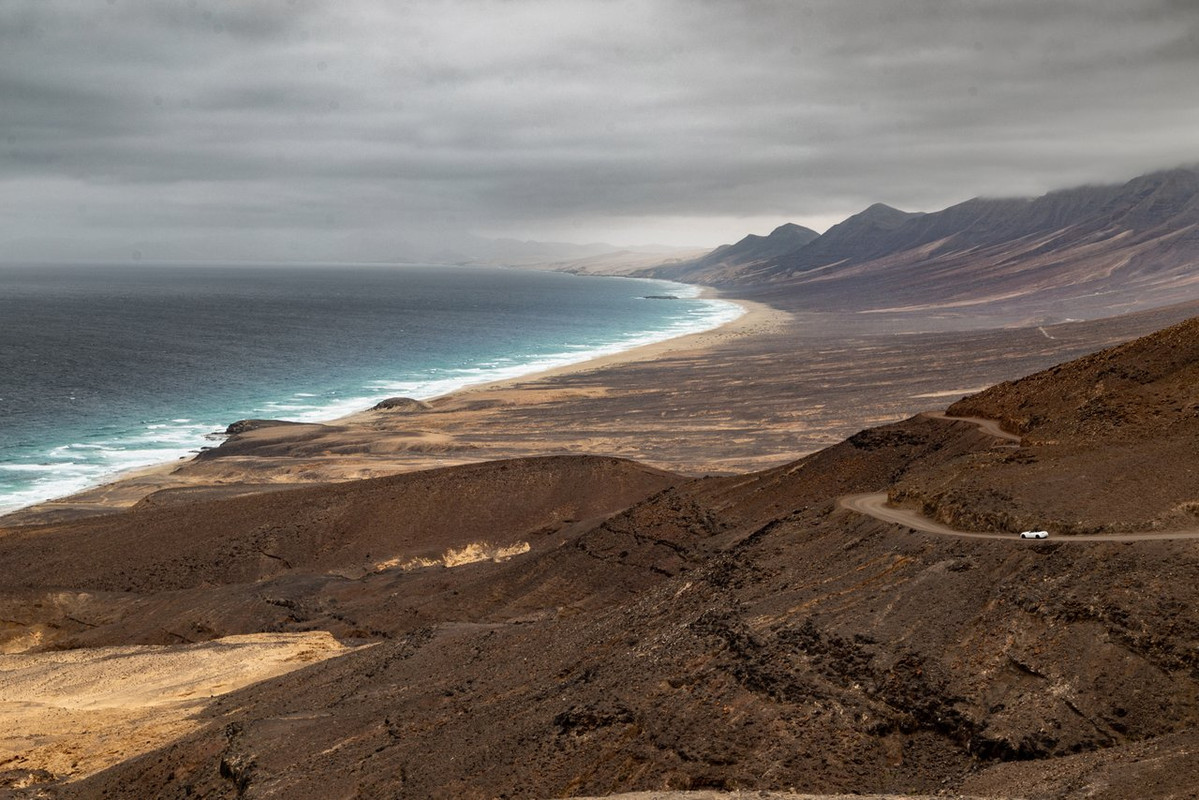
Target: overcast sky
296,129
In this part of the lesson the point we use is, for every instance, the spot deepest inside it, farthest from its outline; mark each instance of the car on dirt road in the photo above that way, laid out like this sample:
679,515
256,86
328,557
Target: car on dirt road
1034,535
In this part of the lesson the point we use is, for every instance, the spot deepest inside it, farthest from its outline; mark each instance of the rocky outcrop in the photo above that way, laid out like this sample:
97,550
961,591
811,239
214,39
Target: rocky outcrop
401,405
247,425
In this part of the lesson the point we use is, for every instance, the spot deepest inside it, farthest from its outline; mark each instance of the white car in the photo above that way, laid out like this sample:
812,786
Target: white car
1034,535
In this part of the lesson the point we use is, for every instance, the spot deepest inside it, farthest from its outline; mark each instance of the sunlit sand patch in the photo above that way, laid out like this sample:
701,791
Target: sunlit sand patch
457,557
951,392
481,551
75,712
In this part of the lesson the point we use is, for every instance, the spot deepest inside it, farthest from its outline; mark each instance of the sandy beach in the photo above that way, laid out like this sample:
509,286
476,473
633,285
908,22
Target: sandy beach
759,391
366,444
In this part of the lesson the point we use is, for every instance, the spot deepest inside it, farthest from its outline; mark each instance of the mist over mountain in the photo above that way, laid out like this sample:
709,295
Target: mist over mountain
509,252
1076,251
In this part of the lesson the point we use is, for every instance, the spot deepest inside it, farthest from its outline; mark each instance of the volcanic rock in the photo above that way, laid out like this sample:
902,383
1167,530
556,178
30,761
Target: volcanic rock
400,404
247,425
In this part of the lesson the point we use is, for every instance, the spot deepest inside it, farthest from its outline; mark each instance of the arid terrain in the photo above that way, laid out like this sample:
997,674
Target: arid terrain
780,559
884,315
581,625
760,392
599,400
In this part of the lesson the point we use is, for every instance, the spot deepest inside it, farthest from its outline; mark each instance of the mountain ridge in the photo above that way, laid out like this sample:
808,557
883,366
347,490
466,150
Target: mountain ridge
749,250
1080,251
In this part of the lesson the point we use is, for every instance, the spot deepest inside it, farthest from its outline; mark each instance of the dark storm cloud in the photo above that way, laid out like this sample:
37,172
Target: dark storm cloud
349,129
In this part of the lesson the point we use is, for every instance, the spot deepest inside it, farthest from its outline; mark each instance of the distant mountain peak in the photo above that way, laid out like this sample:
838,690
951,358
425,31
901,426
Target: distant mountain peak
1187,175
752,249
783,239
1078,251
791,229
884,215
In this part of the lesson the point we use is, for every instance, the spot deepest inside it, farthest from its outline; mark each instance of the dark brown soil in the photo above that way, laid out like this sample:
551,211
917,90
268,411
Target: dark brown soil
344,529
1109,443
661,633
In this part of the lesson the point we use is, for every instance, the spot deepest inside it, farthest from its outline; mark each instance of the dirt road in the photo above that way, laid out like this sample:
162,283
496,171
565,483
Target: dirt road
875,505
985,425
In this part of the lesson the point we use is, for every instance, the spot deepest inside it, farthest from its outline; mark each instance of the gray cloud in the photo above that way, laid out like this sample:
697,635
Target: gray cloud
352,129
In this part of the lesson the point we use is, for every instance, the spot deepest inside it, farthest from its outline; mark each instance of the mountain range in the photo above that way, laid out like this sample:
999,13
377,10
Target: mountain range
1072,253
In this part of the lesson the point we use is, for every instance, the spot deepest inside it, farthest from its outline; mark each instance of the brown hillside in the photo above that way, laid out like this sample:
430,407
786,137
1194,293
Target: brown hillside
824,651
349,529
725,633
1145,388
1109,443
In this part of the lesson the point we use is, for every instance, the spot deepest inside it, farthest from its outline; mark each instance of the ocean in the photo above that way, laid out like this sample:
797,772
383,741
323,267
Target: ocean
108,368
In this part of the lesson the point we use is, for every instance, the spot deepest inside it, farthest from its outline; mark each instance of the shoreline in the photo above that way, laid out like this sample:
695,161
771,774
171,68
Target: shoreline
125,488
754,318
760,391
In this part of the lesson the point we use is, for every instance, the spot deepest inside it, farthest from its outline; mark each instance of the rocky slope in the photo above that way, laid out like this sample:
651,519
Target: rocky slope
1109,443
719,633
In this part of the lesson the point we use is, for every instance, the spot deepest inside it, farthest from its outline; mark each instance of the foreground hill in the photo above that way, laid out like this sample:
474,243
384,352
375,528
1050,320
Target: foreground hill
1069,253
717,633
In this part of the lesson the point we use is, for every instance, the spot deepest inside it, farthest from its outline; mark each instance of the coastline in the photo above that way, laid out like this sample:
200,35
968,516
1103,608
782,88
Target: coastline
759,392
756,318
128,487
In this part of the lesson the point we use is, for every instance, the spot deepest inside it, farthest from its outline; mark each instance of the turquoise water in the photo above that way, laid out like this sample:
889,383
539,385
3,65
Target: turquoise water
108,368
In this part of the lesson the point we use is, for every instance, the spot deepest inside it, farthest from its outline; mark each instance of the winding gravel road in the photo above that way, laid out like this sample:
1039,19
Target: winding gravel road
986,425
875,505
